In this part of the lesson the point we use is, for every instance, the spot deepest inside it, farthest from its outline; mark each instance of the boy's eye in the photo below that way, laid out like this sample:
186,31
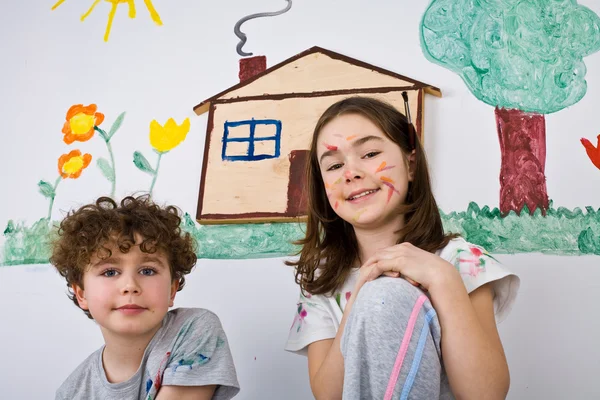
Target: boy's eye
110,273
334,167
371,154
148,271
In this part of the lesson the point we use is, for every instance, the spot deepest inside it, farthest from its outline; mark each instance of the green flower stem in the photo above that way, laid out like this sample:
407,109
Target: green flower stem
112,164
53,196
155,172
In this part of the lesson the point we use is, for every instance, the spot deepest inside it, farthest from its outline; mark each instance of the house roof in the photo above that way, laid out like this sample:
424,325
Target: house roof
263,84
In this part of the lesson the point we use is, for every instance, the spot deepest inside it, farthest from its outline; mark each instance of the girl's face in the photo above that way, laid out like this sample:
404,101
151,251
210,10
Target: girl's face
365,174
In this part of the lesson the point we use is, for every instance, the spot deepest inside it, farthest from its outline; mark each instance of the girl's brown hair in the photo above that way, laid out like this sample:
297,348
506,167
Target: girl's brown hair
330,243
89,230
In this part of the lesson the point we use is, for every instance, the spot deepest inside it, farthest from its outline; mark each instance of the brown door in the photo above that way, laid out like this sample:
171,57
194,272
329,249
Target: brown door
296,195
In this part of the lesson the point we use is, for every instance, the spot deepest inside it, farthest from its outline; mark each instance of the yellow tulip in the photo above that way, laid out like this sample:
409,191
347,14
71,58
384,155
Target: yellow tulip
167,137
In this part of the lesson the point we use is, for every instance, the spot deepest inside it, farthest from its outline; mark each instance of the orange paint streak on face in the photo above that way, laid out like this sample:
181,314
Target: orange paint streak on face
381,167
327,185
349,138
386,179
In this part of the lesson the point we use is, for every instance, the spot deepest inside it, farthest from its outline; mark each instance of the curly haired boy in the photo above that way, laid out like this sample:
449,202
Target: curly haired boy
124,263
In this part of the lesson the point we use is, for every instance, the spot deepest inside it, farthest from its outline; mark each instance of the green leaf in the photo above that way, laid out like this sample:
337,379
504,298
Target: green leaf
106,169
140,161
46,189
116,125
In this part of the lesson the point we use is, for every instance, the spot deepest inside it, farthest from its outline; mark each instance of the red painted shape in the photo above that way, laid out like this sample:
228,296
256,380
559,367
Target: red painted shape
592,152
252,66
330,147
522,138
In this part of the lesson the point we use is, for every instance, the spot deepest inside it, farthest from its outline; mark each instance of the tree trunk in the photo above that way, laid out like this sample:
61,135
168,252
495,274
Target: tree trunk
523,146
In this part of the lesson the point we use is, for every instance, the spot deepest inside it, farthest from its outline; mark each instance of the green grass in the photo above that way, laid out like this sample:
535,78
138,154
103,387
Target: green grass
560,232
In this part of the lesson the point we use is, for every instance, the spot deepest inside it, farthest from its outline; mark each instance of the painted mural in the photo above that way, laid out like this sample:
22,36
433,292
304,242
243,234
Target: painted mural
522,57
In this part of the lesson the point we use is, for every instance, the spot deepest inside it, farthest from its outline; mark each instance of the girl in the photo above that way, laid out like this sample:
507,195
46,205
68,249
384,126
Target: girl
371,212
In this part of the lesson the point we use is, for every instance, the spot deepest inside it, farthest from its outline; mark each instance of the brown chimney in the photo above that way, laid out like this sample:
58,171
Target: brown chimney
252,66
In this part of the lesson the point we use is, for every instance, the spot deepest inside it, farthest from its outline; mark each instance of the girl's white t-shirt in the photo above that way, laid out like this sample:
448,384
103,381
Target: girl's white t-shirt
318,317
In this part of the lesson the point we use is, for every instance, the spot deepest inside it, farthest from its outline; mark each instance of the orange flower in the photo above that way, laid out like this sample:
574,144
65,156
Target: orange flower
80,123
70,165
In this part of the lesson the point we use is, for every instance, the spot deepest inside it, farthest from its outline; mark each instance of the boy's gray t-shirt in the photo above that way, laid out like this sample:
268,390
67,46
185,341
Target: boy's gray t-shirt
190,349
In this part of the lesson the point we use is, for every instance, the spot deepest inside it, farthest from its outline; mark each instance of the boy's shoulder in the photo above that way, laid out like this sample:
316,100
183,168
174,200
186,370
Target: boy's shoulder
82,379
179,316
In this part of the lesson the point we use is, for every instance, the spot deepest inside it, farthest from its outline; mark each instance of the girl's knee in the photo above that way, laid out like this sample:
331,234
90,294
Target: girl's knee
396,292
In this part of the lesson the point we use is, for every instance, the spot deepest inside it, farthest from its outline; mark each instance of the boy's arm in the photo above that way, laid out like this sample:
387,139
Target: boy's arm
186,392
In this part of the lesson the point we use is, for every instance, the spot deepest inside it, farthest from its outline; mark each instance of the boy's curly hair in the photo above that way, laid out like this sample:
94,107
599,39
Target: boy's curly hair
87,232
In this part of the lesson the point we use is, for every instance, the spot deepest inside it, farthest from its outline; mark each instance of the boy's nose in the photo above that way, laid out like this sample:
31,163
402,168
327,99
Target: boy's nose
130,287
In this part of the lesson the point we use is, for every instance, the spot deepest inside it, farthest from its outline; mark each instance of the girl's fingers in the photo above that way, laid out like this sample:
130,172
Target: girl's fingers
412,282
392,274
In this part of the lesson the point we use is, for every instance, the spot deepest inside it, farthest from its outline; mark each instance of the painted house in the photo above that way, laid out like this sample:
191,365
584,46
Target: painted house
259,130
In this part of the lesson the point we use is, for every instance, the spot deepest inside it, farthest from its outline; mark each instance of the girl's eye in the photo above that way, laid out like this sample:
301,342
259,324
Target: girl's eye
148,271
110,273
371,154
334,167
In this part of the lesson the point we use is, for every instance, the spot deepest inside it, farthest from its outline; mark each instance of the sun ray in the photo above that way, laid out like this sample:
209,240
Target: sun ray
58,3
153,14
111,16
131,8
84,16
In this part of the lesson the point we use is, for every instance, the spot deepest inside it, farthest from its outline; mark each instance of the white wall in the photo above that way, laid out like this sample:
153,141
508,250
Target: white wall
50,60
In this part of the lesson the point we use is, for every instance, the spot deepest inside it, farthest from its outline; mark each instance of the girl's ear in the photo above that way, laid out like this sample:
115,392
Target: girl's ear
80,295
412,165
174,288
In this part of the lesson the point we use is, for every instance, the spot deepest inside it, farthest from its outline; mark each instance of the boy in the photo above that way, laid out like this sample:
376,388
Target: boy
123,265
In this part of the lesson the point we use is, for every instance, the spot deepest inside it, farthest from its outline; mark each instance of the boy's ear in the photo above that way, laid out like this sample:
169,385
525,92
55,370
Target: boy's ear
412,165
80,295
174,288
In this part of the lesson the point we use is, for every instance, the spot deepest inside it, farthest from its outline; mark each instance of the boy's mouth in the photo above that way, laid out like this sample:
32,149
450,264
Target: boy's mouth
131,309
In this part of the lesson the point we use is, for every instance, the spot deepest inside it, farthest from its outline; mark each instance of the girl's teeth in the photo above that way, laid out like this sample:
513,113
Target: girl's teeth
362,194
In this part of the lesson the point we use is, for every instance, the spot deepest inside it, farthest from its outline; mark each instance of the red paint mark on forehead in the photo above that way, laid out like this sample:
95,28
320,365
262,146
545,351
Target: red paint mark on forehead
330,147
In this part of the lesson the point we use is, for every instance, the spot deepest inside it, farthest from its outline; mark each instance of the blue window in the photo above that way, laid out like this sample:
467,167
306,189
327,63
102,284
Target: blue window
251,140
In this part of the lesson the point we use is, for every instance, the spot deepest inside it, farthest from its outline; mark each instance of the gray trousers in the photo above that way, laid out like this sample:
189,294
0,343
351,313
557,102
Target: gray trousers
391,345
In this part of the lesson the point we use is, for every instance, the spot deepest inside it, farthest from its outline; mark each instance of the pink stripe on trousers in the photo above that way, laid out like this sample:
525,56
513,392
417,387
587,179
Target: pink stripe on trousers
404,347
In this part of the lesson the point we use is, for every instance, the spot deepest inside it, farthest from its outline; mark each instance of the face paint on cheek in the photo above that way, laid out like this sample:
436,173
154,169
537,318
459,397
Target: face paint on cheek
330,147
336,205
386,179
384,167
338,181
358,214
390,193
391,186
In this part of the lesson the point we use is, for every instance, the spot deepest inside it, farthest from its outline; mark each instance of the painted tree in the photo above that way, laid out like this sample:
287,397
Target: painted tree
525,58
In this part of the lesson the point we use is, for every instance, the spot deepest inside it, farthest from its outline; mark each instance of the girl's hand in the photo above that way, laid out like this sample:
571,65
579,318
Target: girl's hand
417,266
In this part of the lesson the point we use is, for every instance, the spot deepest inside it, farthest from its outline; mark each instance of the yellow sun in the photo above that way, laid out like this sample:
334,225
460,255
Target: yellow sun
113,11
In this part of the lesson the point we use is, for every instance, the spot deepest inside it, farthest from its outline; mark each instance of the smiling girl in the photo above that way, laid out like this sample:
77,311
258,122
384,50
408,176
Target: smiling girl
380,280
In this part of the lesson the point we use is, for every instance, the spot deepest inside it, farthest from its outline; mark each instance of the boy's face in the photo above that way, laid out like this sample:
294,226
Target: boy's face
128,294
